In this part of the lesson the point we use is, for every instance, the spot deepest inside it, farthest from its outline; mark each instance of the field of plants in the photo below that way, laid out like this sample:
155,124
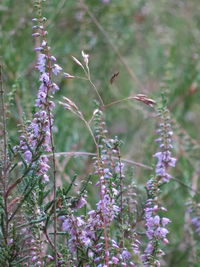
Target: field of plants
99,133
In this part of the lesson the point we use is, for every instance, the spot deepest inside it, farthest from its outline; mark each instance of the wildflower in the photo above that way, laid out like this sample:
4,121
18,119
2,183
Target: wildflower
53,58
39,130
165,221
164,158
54,88
196,223
36,34
81,203
44,43
28,155
38,48
126,255
155,225
77,229
56,69
45,178
44,78
41,62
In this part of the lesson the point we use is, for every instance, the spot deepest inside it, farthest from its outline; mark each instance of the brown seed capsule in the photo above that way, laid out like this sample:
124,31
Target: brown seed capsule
143,98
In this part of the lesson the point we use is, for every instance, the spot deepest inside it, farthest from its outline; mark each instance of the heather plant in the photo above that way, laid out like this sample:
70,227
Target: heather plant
78,199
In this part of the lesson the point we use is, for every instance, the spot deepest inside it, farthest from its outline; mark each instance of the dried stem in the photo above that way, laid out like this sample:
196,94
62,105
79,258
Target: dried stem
79,153
117,101
96,90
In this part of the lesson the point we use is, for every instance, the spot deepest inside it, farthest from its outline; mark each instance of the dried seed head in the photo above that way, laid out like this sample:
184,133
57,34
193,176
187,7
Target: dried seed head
77,62
143,98
85,57
67,75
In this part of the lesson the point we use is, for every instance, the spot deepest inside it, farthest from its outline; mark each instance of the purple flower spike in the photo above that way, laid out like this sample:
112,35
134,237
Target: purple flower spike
155,225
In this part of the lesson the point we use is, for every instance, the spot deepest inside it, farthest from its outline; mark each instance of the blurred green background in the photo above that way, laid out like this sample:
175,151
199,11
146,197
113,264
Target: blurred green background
154,45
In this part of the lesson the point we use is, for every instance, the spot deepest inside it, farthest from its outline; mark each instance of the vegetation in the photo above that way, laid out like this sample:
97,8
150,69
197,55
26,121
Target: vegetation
99,146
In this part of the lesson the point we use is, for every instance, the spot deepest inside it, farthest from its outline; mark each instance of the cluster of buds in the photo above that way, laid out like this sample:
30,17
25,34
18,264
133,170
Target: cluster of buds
164,158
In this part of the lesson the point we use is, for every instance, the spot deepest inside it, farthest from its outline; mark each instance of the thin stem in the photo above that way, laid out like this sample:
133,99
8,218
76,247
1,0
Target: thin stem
51,244
90,130
88,75
53,158
102,204
117,101
82,78
25,195
80,116
5,163
186,185
54,185
80,153
96,90
121,194
3,110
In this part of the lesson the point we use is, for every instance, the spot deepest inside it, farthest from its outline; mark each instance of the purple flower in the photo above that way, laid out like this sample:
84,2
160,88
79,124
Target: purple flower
164,158
156,220
136,246
28,156
56,69
80,222
44,43
196,224
165,221
115,260
41,62
66,225
161,233
54,88
126,255
53,58
44,78
81,203
36,34
45,178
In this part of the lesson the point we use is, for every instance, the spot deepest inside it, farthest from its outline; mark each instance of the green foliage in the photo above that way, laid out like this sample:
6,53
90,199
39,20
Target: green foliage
159,40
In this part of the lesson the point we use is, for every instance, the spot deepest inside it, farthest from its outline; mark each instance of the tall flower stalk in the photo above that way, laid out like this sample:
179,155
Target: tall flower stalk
156,230
47,67
37,137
